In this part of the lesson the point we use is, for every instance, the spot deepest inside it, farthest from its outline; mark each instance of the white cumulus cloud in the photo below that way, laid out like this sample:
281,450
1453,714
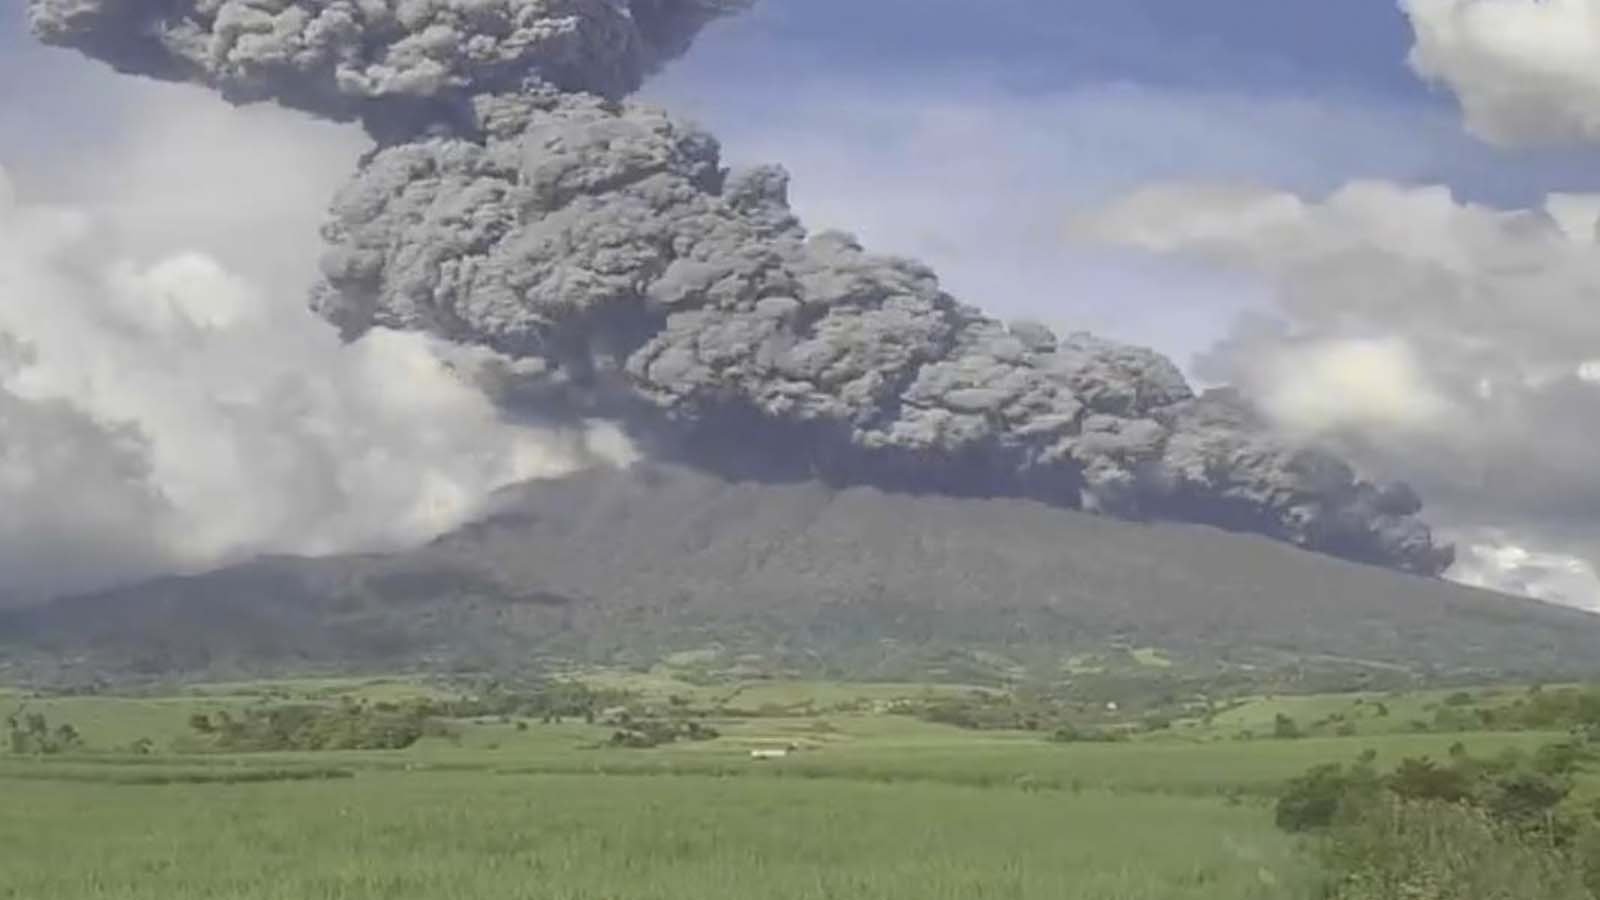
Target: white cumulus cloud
1496,561
1326,385
172,414
1525,71
1448,344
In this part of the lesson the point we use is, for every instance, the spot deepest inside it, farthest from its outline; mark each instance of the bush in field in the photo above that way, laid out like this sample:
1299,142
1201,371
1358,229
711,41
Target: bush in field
1429,850
1320,797
1567,709
551,701
1424,780
1024,710
1517,792
31,735
1072,734
1474,829
979,711
646,733
1285,728
349,726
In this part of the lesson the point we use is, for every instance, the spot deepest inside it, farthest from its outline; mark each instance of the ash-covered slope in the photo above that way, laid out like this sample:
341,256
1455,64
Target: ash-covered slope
623,566
516,202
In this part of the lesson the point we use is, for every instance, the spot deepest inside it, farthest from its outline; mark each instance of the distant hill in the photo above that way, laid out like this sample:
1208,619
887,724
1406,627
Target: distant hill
627,567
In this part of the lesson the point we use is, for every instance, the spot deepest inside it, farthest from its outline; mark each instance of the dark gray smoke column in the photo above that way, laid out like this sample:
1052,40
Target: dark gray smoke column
398,65
515,201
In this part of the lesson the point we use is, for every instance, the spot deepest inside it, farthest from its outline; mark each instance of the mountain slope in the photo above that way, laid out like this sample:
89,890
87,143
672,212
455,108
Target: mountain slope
628,566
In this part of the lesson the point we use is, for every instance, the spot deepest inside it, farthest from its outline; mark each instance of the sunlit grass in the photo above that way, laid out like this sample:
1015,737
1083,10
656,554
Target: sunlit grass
873,805
439,836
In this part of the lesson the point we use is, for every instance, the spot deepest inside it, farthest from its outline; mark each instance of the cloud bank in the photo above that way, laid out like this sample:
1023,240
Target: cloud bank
1525,71
166,413
1449,344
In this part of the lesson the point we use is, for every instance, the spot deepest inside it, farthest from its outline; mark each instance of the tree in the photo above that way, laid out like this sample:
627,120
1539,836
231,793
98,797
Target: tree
1284,728
66,738
31,734
1422,779
1316,799
16,738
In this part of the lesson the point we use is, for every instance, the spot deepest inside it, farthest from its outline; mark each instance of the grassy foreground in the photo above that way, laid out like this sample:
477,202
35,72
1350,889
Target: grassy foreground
873,807
472,836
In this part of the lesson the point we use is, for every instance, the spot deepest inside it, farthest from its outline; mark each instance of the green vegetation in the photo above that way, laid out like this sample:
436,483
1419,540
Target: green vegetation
350,726
1413,850
1506,827
1285,728
411,790
647,733
567,837
31,733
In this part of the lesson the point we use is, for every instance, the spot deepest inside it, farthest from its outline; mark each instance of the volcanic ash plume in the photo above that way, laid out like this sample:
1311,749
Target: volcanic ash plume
400,66
515,202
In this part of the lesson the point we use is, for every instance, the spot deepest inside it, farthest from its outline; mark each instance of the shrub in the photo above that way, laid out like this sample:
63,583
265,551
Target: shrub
1320,797
31,734
1071,734
1475,829
310,727
646,733
1285,728
1408,850
1422,779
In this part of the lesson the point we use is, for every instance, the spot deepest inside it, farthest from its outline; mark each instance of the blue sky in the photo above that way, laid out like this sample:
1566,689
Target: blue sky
1043,44
1345,55
968,139
968,134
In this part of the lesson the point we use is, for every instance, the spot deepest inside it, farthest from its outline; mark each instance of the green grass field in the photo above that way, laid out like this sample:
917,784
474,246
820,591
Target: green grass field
872,806
461,835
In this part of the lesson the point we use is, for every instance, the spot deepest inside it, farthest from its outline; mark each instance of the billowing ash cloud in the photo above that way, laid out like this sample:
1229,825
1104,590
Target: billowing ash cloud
603,247
398,66
606,245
